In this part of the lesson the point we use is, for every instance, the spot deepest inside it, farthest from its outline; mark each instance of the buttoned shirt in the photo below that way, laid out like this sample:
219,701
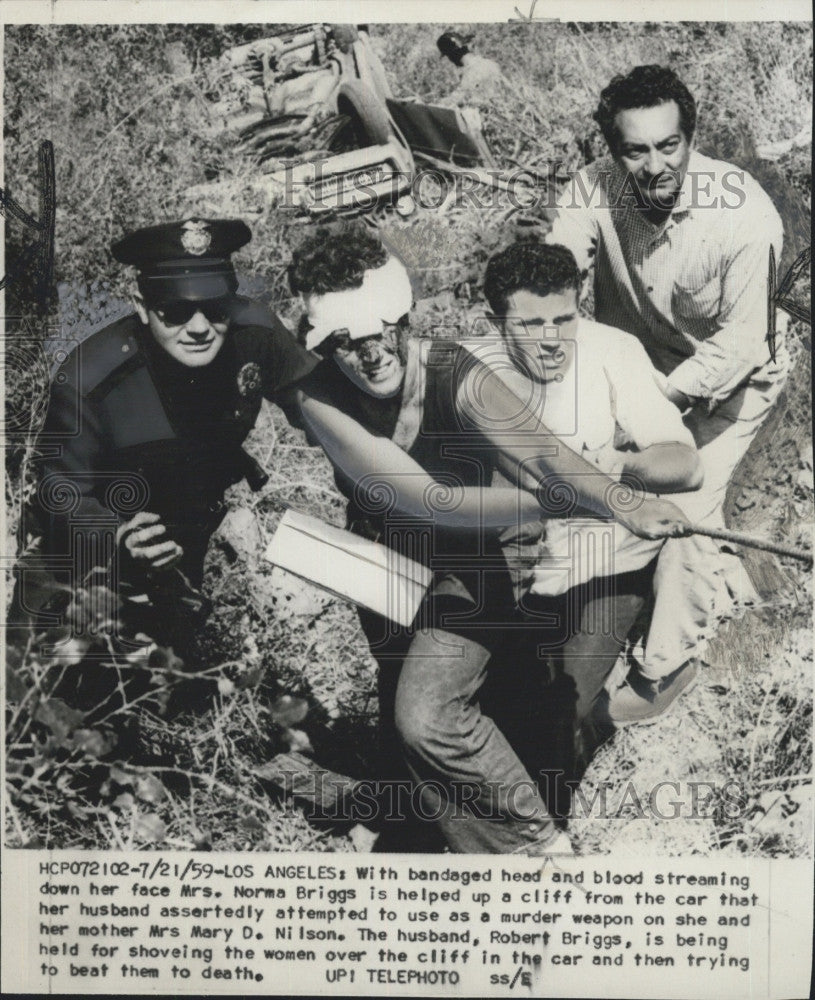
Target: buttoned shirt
693,289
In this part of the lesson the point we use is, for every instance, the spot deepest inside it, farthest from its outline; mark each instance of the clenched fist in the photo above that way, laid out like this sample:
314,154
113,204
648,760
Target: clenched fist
655,519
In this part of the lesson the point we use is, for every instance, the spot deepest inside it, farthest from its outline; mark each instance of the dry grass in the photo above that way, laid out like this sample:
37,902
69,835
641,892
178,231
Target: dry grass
181,771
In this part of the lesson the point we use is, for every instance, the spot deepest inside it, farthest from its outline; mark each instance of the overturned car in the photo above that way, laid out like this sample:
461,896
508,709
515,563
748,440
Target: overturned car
312,107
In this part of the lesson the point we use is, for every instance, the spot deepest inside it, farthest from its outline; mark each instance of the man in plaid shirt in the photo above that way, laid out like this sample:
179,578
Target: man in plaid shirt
680,246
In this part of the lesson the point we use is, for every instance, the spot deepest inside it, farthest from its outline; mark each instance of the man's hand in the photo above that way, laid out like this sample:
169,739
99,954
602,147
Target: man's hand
141,538
655,519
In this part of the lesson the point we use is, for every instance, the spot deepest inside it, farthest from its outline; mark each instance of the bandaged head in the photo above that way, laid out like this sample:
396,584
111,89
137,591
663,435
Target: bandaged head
382,299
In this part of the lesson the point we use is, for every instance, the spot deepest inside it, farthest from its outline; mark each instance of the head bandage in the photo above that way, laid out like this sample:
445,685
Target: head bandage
383,298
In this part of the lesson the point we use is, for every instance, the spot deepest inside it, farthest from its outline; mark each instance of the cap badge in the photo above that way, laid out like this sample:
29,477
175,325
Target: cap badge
196,237
249,379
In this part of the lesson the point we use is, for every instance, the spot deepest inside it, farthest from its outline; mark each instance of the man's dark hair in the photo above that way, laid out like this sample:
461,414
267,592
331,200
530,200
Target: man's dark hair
541,268
644,87
332,261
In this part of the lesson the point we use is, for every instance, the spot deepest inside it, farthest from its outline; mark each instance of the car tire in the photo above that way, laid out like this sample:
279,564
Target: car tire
368,120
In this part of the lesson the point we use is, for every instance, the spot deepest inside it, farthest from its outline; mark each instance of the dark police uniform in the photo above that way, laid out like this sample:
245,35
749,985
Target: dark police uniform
130,428
153,434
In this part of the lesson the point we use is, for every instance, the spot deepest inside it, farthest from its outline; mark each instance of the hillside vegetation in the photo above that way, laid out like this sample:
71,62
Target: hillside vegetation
173,754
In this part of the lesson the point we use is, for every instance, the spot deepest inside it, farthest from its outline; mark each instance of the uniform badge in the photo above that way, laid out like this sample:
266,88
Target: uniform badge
249,379
196,237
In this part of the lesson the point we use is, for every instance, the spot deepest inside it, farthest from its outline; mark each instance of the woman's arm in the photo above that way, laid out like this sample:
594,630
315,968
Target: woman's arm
375,464
538,460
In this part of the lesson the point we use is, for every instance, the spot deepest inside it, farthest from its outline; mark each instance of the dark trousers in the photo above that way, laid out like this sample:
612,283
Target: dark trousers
437,730
503,709
557,670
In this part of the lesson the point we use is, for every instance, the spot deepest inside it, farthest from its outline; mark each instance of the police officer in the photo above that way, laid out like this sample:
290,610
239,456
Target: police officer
146,423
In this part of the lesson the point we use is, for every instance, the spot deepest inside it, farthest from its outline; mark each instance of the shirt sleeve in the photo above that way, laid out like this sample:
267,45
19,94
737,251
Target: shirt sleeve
287,362
575,225
739,346
66,488
642,411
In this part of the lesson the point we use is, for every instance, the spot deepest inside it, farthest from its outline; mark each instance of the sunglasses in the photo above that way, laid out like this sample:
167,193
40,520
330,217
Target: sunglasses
181,311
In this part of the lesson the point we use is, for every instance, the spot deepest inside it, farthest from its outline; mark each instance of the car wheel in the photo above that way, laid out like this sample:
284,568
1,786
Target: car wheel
368,121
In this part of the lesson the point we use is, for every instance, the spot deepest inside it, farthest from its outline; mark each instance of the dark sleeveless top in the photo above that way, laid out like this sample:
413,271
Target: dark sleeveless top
469,561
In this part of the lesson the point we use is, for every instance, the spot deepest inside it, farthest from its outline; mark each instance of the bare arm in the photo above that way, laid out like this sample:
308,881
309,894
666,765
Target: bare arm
564,481
376,463
668,467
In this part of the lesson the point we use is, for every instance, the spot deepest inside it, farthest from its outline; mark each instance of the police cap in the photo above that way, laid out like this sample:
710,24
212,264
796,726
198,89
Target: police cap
184,260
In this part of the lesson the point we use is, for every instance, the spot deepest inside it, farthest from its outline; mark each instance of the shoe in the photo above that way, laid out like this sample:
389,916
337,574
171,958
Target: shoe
644,701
